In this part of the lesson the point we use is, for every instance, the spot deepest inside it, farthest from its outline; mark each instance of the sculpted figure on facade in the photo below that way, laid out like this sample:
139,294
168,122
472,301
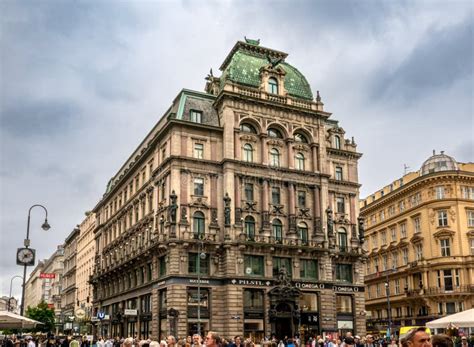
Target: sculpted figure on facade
173,207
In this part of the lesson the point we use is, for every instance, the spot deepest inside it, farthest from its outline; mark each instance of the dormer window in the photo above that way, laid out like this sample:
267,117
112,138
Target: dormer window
272,85
196,116
300,138
337,142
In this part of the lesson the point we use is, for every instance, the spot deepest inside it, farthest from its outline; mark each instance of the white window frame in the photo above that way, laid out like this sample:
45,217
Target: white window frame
403,230
198,150
445,247
440,192
442,218
417,224
419,251
470,218
405,256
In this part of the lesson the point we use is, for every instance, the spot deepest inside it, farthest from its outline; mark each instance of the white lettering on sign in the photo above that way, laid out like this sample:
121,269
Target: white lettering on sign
200,281
251,283
309,285
345,289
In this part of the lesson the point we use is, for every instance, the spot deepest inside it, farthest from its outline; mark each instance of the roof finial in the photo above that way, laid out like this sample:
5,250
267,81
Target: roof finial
318,97
442,152
434,152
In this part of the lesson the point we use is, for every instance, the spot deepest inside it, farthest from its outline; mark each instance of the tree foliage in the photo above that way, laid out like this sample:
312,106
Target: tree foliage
42,313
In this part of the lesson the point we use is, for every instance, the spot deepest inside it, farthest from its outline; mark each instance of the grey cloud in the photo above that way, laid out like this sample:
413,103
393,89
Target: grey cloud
443,57
40,118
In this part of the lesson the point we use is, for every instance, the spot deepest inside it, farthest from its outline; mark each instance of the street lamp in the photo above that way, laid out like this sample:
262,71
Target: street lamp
10,296
200,256
45,226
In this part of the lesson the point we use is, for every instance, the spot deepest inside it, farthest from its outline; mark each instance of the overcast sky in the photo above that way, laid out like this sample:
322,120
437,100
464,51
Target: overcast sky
82,82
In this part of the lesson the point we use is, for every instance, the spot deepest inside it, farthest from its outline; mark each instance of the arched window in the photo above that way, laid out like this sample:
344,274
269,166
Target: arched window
198,224
337,142
250,228
299,161
272,85
300,138
274,157
274,133
277,230
248,153
247,128
303,232
342,239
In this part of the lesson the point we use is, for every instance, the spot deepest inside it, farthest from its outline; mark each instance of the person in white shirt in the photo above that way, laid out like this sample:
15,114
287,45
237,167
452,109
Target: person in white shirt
31,343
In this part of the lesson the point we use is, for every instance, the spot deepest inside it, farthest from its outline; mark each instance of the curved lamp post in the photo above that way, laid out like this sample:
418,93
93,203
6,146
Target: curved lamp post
10,295
45,226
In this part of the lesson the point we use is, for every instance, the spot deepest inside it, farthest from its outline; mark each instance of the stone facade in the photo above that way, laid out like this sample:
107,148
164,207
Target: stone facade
84,267
420,239
69,289
237,199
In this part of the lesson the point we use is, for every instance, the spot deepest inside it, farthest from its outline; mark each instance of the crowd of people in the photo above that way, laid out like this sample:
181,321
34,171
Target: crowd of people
417,337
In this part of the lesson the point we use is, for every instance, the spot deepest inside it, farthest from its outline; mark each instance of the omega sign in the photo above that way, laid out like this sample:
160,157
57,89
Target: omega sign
345,289
309,285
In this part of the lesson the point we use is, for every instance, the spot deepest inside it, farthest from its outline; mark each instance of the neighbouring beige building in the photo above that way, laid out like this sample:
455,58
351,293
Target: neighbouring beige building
84,268
34,287
44,282
238,213
8,304
69,293
419,232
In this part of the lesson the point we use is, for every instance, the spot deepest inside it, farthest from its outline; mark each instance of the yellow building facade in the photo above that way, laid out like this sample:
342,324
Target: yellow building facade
419,233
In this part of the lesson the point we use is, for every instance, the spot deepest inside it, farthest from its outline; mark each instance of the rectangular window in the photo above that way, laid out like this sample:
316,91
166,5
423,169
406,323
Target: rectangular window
440,308
439,192
468,193
162,264
309,269
198,150
383,237
302,199
456,278
384,262
405,256
199,186
394,260
253,265
397,286
382,215
338,173
391,210
417,224
442,218
445,248
403,230
374,241
248,191
393,233
344,304
198,298
309,302
275,195
419,251
340,205
344,273
195,262
450,307
253,300
471,242
279,263
196,116
470,219
401,206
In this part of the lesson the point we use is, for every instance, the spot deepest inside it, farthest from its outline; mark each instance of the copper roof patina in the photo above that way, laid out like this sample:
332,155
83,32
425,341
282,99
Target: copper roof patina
244,62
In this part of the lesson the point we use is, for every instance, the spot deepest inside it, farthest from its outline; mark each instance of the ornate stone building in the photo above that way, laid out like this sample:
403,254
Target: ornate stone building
69,289
84,268
237,213
420,238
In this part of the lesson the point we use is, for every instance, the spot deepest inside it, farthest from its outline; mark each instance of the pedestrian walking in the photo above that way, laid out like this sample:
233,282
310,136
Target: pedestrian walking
213,339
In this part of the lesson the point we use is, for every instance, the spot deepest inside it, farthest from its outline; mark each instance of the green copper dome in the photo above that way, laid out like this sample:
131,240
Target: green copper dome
243,66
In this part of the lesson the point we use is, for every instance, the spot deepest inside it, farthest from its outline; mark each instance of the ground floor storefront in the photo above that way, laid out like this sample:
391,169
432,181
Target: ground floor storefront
254,308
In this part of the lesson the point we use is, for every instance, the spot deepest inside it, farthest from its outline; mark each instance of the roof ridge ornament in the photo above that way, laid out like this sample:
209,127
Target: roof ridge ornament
252,41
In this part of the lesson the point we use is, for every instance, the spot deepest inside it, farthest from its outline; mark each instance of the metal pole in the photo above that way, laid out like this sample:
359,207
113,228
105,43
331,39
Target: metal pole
27,244
199,286
10,296
389,310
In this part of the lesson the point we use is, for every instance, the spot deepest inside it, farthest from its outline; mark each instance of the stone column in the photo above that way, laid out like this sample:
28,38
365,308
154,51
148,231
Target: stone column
264,149
291,208
291,158
238,200
314,152
237,145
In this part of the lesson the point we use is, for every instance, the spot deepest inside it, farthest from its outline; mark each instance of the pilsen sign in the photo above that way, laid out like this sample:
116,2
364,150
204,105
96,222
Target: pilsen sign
47,275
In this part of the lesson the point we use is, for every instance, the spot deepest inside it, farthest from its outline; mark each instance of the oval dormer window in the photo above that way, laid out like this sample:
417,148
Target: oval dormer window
272,85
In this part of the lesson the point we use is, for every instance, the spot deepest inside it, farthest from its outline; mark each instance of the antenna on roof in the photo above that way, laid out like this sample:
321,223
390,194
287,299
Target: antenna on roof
405,169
